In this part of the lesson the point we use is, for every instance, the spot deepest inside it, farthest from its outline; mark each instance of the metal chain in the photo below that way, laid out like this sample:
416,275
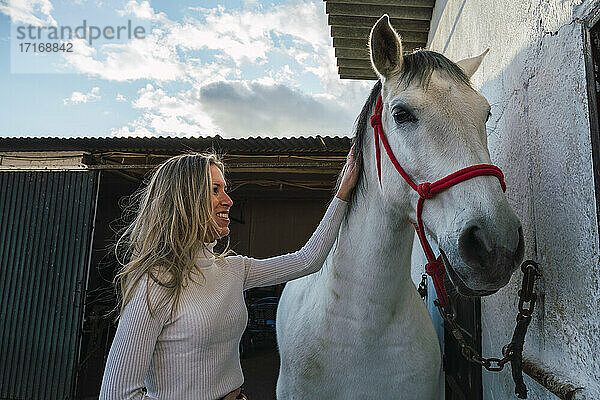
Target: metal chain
512,352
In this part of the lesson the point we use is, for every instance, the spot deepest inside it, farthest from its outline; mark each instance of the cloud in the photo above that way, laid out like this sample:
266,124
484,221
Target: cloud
78,97
303,41
151,124
206,56
142,10
247,36
137,59
120,98
237,109
256,109
31,12
150,57
132,130
178,115
238,37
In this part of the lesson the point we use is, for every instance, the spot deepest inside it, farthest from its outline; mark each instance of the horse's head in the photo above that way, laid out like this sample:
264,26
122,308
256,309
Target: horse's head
435,124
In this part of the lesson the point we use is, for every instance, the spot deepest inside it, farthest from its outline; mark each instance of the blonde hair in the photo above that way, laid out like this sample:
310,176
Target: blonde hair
173,222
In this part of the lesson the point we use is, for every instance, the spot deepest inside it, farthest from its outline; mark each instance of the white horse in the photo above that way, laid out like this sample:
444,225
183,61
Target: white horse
358,329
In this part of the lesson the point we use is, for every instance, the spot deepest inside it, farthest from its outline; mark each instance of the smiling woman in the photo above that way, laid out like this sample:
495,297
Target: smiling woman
221,202
183,311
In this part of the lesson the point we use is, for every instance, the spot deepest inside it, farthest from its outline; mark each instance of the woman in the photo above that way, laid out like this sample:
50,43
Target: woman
183,311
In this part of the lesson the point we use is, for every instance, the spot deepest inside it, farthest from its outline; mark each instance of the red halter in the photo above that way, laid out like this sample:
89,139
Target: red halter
426,190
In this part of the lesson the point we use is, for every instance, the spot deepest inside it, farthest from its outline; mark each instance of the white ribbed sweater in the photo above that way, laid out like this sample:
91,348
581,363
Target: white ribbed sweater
195,354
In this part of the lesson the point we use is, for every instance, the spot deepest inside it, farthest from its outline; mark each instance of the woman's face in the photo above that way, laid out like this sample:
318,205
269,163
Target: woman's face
221,202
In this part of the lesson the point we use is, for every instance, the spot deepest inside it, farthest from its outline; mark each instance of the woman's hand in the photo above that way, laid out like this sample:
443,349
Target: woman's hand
233,395
350,176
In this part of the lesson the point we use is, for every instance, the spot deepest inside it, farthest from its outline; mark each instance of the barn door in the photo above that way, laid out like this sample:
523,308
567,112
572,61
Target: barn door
463,378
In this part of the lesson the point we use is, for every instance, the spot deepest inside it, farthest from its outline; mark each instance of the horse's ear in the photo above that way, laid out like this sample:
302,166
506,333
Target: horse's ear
470,65
386,48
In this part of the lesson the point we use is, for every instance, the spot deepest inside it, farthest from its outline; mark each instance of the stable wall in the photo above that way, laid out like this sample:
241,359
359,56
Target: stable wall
539,134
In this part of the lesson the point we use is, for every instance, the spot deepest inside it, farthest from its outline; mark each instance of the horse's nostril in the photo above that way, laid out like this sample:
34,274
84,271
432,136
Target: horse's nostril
481,239
474,247
478,249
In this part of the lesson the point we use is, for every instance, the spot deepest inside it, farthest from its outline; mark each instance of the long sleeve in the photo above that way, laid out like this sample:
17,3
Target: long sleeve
305,261
132,348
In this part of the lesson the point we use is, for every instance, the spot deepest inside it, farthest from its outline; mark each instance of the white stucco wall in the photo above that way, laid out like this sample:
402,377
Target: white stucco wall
539,134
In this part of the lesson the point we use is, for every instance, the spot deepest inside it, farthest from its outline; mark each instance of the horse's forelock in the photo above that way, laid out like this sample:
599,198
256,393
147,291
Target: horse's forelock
421,64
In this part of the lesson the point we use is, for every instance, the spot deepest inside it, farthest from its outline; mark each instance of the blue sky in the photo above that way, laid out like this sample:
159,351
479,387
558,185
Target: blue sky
234,68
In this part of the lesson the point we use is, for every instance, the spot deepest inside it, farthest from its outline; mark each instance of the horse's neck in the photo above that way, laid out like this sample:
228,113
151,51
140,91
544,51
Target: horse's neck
373,255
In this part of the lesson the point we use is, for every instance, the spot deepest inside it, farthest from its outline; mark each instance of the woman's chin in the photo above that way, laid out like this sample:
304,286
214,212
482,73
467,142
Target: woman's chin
224,232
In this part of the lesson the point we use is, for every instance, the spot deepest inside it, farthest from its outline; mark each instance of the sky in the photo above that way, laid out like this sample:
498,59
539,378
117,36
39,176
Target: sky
238,68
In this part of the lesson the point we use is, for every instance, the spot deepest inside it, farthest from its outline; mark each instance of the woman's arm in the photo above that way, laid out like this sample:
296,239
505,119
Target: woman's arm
312,255
132,348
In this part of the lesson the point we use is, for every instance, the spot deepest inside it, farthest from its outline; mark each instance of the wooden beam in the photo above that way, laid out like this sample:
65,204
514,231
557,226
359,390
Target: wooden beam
42,158
363,53
344,43
130,176
409,3
363,33
321,169
357,73
554,382
404,25
357,54
354,63
366,10
286,170
358,78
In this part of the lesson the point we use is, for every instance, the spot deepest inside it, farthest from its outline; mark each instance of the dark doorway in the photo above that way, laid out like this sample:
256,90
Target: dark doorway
268,225
463,378
100,300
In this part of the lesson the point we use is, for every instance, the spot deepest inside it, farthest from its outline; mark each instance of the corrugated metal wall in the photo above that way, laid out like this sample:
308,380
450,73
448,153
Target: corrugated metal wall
46,222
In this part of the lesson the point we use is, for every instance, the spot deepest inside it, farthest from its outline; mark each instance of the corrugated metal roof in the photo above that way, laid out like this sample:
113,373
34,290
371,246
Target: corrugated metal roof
351,22
172,145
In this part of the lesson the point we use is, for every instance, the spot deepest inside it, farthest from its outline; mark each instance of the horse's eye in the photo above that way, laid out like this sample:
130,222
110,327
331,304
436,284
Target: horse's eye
401,116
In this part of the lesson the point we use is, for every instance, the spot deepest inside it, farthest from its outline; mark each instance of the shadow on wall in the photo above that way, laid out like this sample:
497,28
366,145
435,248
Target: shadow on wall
440,8
539,135
460,10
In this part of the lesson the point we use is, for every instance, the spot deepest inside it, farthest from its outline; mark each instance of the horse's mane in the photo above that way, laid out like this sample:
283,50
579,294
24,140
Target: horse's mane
360,127
419,66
